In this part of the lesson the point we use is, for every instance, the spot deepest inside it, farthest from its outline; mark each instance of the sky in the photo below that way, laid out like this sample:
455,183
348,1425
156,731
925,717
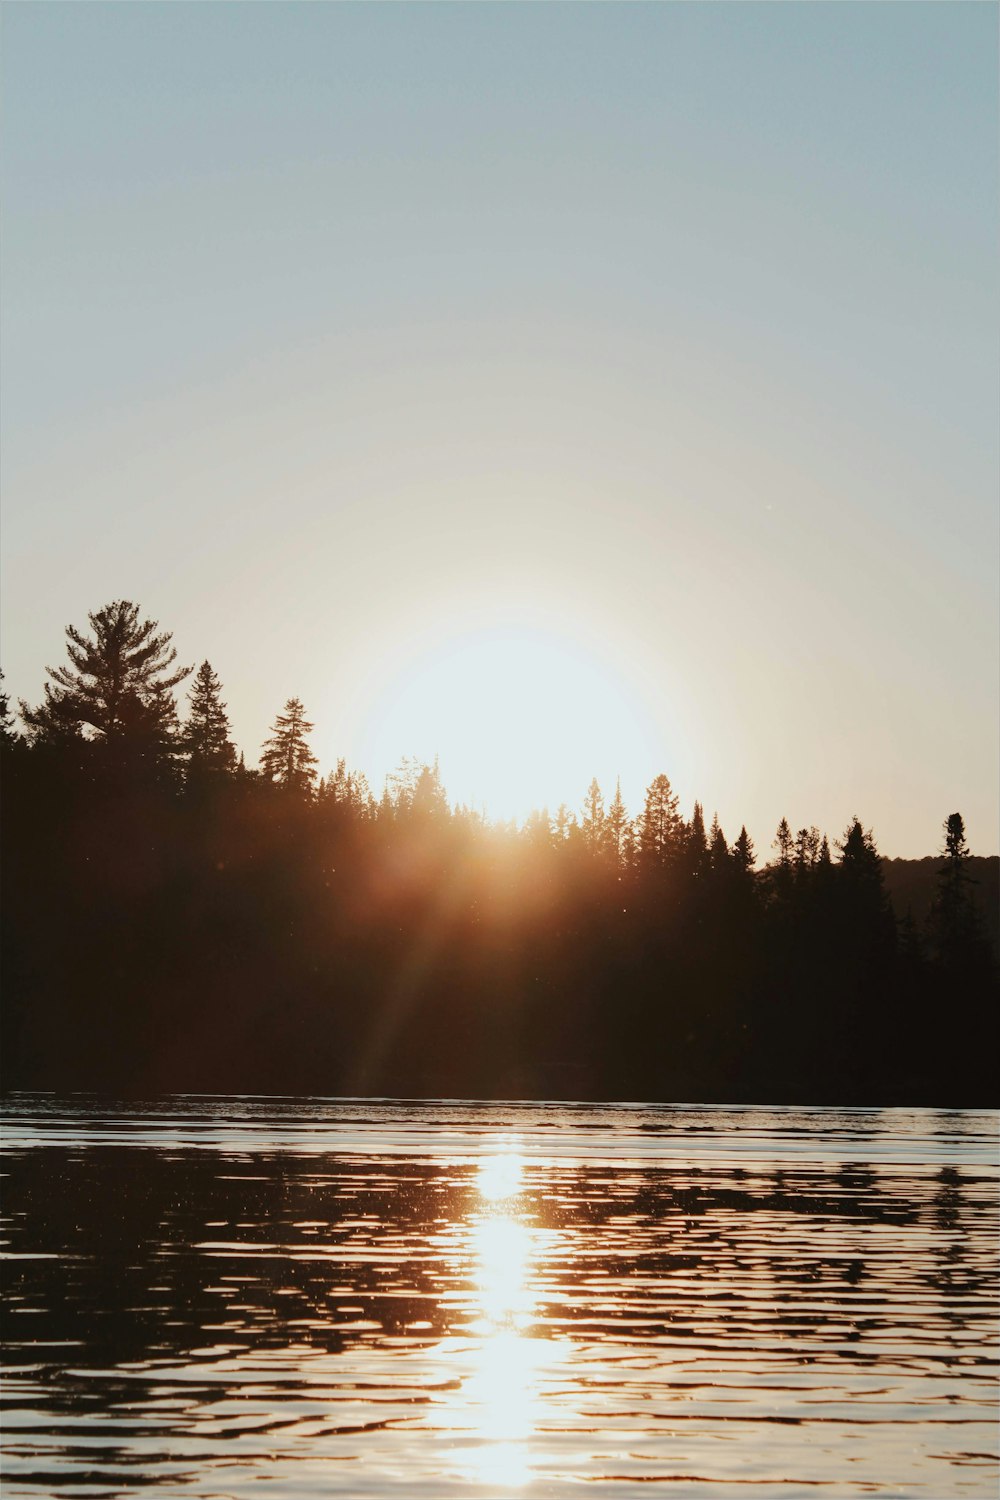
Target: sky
562,390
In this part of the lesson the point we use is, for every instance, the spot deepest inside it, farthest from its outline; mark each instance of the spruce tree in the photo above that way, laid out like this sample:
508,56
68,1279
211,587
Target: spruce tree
863,897
860,861
592,824
286,758
616,824
206,742
784,843
956,929
956,846
744,857
697,843
661,827
718,849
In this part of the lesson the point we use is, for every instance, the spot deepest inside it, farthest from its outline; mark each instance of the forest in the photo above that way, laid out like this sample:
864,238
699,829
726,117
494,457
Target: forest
174,920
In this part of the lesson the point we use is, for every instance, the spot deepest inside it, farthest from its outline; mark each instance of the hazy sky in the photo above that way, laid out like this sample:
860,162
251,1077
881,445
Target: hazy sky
564,389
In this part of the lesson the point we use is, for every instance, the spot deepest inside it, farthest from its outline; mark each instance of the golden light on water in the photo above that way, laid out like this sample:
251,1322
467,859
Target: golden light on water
503,1250
500,1176
498,1407
504,1407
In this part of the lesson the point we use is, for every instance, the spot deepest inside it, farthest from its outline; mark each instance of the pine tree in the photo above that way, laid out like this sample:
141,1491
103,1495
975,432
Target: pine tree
359,796
860,861
8,735
783,842
868,930
630,844
205,739
345,790
956,929
592,824
718,849
118,688
744,857
537,830
429,798
565,823
807,850
286,758
697,843
112,677
661,826
616,824
403,782
956,847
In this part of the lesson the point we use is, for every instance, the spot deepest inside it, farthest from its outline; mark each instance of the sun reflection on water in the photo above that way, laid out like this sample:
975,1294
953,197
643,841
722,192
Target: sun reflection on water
503,1252
500,1176
497,1408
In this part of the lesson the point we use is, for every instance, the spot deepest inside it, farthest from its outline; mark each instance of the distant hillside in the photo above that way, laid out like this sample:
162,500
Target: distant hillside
912,883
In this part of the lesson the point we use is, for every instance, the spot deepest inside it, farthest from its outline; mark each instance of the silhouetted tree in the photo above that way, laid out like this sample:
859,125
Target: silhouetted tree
348,791
8,733
696,843
807,847
661,827
718,849
784,843
859,858
779,876
206,743
617,826
287,759
118,686
955,925
868,925
592,824
956,846
454,955
744,857
243,772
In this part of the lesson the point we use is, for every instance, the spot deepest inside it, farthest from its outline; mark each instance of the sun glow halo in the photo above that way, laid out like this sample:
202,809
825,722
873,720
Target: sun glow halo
519,719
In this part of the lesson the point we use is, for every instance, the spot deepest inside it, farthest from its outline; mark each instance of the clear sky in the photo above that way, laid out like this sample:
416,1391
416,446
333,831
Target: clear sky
567,390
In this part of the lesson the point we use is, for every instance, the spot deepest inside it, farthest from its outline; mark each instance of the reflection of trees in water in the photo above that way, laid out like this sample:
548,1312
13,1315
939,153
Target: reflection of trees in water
954,1273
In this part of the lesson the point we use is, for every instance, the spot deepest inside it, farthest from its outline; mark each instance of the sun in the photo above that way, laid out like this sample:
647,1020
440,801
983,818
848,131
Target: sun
519,717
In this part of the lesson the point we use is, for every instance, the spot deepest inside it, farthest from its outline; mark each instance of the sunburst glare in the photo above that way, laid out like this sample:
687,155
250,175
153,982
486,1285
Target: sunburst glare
521,717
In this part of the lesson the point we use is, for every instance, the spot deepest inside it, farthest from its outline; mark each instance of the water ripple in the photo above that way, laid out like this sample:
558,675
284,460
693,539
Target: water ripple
209,1298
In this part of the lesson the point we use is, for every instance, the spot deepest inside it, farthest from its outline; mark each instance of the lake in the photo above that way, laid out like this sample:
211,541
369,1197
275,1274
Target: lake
208,1297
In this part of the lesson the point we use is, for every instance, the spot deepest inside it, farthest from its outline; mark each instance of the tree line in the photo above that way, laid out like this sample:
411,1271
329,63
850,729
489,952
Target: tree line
175,919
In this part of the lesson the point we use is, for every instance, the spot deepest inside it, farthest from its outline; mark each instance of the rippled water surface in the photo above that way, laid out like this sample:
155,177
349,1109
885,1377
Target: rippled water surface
232,1297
